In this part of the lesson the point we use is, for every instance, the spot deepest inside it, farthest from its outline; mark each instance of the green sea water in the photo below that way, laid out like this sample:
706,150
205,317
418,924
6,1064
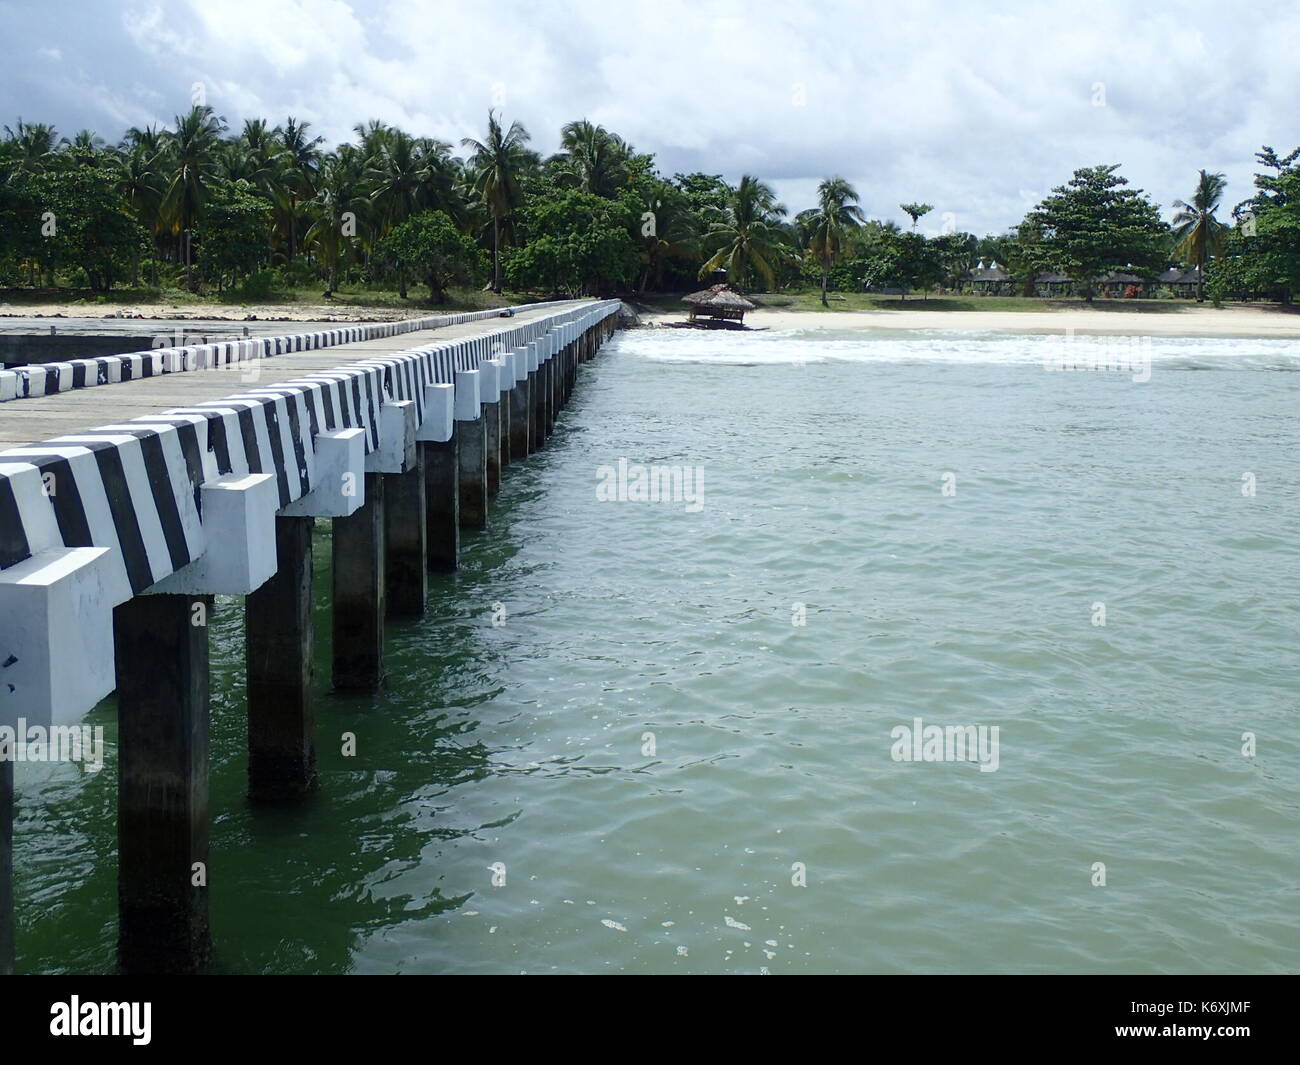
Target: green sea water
611,746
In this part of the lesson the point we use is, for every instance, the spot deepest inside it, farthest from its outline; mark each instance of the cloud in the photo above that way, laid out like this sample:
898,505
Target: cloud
977,109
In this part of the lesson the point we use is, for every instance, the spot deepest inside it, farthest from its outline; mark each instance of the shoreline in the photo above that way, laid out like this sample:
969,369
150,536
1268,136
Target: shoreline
1247,322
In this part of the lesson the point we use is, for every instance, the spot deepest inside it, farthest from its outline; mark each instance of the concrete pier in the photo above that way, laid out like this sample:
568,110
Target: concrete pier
162,792
206,487
406,544
279,635
359,593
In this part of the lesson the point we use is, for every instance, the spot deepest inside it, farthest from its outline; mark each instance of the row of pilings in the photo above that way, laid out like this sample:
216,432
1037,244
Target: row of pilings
408,524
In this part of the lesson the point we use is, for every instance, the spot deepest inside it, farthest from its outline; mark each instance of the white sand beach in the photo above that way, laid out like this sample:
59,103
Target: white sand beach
1235,321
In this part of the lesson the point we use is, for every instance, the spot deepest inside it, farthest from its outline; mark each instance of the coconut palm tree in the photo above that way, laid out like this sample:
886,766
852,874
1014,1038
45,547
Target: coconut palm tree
339,204
594,159
747,233
496,164
397,176
141,183
301,160
191,158
32,143
1199,234
827,226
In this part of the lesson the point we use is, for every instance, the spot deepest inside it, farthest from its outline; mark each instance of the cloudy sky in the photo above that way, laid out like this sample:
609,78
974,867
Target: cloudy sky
977,108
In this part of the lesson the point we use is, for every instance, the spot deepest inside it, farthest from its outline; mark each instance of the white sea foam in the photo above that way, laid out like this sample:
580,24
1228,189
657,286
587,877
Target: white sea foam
808,346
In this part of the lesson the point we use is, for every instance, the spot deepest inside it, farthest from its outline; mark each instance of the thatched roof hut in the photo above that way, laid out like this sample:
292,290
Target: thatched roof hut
718,302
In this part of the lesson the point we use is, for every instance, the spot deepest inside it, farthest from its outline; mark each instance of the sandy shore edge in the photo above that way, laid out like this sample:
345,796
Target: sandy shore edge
1184,321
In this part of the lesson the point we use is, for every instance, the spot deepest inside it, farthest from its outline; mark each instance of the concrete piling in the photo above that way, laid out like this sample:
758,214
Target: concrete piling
6,867
406,545
492,441
359,593
279,636
162,796
519,427
471,448
441,505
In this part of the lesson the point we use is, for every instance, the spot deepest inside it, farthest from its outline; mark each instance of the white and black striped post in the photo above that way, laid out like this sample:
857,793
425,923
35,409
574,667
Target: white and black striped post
471,452
162,794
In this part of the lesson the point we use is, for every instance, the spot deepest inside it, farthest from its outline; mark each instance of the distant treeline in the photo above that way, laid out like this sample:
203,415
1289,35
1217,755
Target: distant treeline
267,209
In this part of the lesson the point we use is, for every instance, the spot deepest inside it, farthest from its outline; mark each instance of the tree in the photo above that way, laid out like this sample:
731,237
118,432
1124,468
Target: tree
336,211
301,160
235,232
669,231
906,261
594,159
89,226
1094,223
827,225
916,211
747,234
575,243
958,254
1271,226
191,158
1199,234
430,244
496,164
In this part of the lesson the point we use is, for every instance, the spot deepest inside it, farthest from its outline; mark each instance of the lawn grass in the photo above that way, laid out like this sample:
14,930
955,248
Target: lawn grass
866,301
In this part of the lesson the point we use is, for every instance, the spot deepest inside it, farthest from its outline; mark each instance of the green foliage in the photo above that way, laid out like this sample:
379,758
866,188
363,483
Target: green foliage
1094,224
430,245
234,236
71,215
575,243
1270,239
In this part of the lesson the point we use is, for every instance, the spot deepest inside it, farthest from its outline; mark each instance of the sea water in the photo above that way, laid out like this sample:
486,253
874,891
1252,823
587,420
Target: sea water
978,654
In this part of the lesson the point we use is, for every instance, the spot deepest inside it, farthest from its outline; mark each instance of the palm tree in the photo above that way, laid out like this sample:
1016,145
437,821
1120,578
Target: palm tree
32,143
141,183
339,193
827,225
748,234
397,175
301,159
1199,234
915,211
191,157
673,235
595,159
496,165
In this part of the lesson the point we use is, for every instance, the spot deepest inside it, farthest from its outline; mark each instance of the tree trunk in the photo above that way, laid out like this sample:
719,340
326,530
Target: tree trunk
496,253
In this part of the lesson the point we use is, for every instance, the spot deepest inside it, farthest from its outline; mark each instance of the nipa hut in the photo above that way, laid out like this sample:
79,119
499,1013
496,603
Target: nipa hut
719,303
